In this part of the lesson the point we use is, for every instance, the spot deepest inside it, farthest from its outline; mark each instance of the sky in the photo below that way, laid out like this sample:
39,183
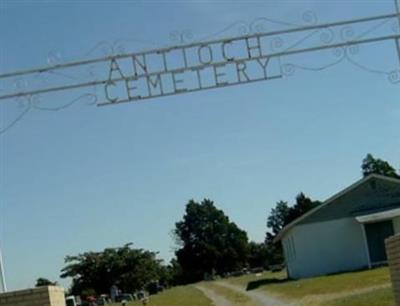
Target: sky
86,177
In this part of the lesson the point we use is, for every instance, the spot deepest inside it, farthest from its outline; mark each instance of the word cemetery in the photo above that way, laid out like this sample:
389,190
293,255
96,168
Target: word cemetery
187,69
205,65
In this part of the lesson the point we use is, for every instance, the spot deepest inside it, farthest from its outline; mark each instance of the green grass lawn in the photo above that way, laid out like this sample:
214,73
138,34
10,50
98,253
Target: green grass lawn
346,282
333,290
379,297
178,296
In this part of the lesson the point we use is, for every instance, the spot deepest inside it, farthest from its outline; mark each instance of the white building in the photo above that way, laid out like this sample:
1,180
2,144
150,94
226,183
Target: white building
346,232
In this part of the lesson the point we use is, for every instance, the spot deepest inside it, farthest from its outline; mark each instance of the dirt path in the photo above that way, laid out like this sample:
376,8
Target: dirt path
261,298
215,298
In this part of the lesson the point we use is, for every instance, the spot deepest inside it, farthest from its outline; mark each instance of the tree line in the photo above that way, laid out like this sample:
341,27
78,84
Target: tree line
208,244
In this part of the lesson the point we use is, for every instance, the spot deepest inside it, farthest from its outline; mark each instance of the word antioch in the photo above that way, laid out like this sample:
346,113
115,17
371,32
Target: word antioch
188,68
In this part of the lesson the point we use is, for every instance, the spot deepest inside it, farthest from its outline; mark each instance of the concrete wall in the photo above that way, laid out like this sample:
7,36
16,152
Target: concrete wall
325,247
43,296
393,253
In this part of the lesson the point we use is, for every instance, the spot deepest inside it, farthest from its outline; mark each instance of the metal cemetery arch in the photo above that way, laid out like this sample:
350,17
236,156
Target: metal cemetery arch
209,64
197,66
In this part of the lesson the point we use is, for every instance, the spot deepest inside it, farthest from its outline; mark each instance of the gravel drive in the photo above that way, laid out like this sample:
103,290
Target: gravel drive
260,297
215,298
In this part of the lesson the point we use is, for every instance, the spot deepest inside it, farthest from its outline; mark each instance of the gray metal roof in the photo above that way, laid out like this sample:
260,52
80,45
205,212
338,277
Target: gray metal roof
372,193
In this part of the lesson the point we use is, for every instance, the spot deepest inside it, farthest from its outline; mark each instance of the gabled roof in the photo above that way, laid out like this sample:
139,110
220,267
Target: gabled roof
288,227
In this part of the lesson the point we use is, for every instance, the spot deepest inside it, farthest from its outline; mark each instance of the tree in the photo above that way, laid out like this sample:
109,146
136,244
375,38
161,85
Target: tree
303,205
274,250
41,282
130,269
209,242
371,165
283,214
278,217
175,273
258,255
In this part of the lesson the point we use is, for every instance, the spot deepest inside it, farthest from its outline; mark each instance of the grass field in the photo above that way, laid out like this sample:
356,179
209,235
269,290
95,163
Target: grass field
378,297
333,284
178,296
366,288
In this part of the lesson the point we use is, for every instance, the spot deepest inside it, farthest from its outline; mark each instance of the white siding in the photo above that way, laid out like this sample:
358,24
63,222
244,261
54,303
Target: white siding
325,247
396,225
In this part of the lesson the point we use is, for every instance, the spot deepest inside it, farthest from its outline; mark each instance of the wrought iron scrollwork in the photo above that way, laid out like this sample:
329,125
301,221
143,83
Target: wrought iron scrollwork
339,40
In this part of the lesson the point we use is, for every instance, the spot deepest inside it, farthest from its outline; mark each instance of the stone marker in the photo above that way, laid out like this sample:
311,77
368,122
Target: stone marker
42,296
393,255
